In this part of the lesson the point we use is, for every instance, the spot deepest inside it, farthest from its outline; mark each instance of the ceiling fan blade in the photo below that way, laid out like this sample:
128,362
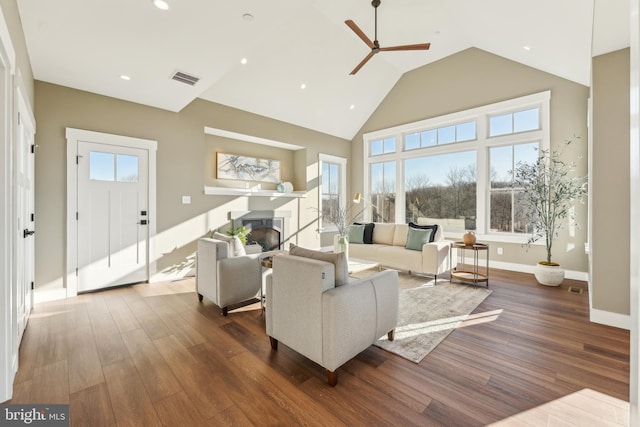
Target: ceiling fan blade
420,46
364,61
359,32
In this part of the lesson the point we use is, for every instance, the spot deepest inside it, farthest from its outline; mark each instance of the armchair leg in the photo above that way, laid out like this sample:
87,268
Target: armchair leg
391,334
332,377
200,297
274,343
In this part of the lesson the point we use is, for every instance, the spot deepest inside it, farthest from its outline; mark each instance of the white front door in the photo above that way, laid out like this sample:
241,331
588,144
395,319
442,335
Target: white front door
112,217
25,220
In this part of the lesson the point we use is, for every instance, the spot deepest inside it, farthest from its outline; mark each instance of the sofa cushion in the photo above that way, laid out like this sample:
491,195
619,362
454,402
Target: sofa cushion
400,235
356,233
434,229
383,233
418,237
339,260
236,248
368,231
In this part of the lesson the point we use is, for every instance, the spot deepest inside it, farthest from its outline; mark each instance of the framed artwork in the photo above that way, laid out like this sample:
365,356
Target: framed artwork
236,167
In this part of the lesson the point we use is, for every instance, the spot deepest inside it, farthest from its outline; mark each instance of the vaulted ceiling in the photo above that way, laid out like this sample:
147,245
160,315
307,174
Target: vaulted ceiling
291,44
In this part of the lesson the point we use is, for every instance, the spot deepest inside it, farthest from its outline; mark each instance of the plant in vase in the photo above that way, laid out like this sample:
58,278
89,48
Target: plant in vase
549,192
342,217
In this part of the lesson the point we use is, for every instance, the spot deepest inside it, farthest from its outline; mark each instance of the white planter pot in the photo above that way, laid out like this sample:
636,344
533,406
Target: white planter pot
549,275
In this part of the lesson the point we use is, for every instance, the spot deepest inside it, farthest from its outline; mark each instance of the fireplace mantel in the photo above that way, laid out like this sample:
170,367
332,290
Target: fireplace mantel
229,191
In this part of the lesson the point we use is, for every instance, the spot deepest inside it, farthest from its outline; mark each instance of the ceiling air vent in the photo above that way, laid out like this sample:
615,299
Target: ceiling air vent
185,78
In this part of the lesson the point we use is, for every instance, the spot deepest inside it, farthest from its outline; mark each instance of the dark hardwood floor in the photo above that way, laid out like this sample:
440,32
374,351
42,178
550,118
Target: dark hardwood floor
152,355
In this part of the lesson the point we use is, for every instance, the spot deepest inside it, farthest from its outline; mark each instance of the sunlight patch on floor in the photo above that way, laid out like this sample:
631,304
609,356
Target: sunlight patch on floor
583,408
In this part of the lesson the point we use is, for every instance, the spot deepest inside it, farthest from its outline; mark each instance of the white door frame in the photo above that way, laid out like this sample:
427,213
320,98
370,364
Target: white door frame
8,318
73,136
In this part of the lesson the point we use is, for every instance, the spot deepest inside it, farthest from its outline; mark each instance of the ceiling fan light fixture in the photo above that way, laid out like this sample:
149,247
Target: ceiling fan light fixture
375,45
161,4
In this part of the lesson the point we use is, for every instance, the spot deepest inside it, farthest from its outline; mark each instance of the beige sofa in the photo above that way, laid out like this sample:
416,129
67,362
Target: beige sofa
388,249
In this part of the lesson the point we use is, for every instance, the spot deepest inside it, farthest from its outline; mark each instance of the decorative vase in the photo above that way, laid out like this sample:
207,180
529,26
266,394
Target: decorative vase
284,187
469,238
341,244
549,275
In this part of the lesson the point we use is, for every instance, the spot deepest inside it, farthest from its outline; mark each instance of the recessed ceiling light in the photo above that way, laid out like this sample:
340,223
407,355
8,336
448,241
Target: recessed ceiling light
303,86
125,77
527,48
351,107
243,61
161,4
247,17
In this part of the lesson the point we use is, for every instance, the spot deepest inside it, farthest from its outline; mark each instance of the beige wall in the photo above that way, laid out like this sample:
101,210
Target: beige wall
610,183
182,162
473,78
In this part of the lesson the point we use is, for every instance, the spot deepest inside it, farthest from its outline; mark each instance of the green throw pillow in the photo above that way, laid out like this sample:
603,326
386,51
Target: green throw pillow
356,233
417,237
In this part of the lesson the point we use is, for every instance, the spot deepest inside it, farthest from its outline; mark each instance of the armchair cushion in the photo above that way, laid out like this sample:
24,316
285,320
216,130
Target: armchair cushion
339,260
235,245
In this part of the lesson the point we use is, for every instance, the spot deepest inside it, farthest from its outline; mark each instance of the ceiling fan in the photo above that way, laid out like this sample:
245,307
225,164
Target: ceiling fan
374,45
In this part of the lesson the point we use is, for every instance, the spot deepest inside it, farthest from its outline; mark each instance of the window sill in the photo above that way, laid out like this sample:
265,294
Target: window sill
497,238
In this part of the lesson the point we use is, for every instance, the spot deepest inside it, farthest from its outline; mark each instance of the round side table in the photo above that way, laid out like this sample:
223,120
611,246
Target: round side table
469,272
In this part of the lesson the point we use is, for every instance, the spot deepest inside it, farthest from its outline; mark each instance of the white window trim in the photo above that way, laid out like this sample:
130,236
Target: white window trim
481,145
342,192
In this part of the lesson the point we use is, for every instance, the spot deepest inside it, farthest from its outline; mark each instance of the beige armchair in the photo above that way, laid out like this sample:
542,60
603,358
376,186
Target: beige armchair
326,323
229,281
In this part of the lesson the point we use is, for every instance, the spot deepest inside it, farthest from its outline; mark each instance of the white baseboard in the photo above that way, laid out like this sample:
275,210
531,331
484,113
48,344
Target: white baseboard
527,268
608,318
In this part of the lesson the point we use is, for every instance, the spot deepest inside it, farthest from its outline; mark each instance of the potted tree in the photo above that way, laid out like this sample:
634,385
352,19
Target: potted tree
550,190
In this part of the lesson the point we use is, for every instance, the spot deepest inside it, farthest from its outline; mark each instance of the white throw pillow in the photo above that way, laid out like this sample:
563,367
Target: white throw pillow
236,248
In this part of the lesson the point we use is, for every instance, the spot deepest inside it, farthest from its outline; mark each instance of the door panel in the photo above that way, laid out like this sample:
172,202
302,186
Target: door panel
112,192
25,224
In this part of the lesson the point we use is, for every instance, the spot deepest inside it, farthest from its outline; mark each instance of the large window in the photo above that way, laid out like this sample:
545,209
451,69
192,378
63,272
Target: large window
506,214
457,169
333,186
383,191
441,188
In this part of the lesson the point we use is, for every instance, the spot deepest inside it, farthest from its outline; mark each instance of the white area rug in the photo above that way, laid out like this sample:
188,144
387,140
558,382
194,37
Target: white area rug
428,313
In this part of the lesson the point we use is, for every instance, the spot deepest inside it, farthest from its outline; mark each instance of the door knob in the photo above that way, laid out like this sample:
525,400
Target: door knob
26,233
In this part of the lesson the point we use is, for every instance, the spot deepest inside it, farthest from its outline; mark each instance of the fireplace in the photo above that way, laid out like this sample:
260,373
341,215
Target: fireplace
266,232
269,229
